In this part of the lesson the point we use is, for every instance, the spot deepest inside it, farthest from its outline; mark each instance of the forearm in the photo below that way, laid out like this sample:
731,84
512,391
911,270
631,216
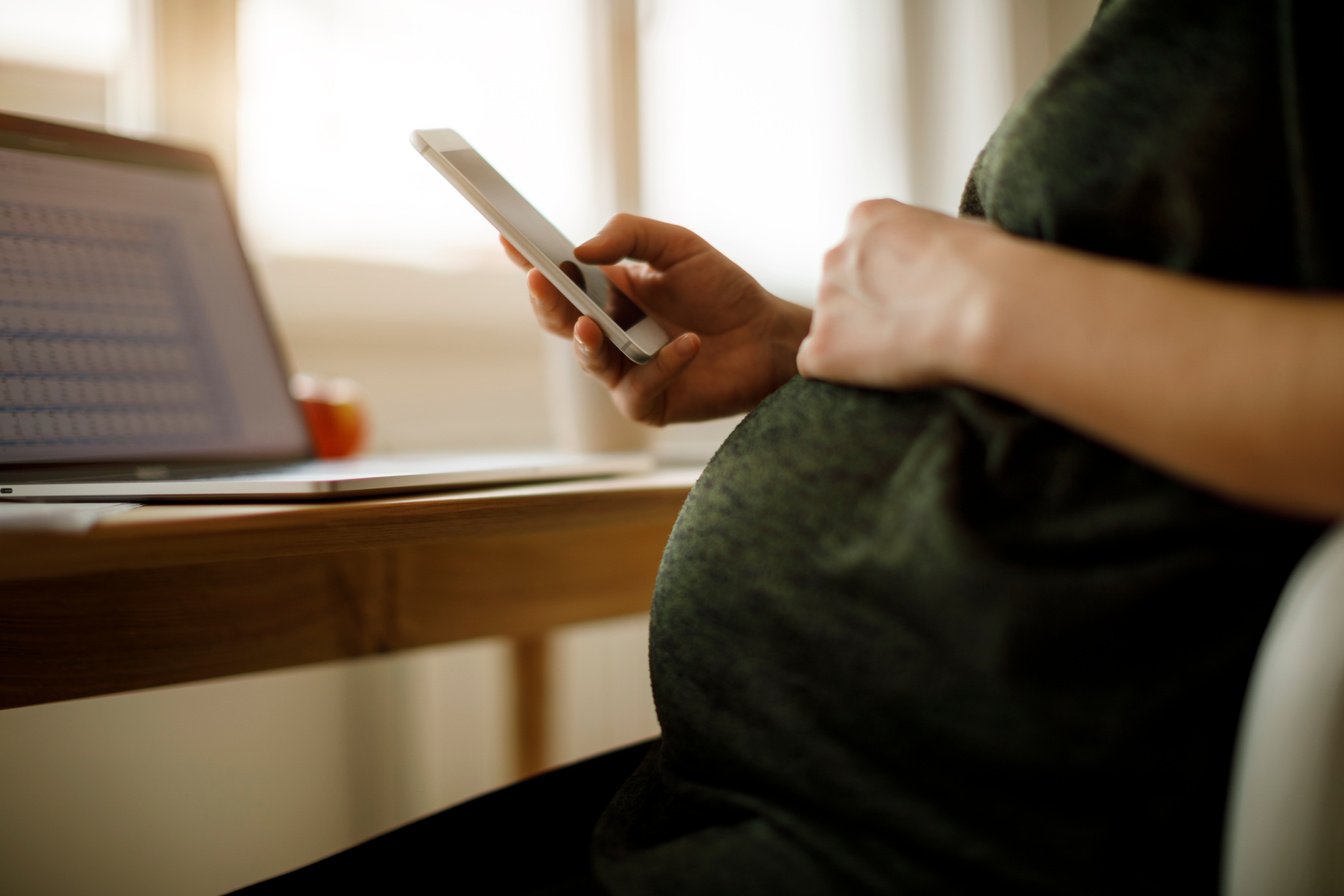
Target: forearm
1237,389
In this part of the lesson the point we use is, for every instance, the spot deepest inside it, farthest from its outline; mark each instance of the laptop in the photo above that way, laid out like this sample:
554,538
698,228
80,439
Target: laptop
137,360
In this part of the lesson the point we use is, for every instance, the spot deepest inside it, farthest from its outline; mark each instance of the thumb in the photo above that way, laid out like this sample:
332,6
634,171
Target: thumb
642,392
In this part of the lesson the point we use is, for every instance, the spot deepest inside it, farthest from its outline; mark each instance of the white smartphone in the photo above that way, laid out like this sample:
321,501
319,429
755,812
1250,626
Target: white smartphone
537,239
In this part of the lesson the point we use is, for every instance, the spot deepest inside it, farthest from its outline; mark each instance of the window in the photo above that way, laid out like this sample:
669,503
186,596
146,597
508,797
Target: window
330,90
764,122
759,123
49,69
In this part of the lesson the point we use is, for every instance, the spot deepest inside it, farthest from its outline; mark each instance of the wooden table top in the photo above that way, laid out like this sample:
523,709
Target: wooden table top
165,594
159,535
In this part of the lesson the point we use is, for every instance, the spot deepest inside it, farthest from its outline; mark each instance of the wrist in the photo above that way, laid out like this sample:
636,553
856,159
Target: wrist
980,325
1022,309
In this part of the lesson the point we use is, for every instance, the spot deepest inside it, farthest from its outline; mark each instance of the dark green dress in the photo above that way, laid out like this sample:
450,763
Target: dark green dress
931,642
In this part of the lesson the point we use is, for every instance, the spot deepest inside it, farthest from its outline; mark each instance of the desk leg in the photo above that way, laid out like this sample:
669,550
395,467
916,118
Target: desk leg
531,723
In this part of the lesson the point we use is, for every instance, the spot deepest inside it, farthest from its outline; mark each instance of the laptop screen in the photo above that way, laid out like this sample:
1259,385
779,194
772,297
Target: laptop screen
130,328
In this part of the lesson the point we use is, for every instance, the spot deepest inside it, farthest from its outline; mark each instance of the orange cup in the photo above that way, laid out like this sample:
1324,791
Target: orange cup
335,411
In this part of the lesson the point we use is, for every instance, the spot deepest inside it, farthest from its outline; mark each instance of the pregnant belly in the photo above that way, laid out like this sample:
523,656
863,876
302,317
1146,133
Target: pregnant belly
875,602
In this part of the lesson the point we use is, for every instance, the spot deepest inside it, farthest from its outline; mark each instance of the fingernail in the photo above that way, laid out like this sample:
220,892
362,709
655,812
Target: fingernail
582,347
686,345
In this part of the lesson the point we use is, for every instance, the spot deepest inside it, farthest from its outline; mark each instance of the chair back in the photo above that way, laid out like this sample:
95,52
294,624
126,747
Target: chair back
1285,821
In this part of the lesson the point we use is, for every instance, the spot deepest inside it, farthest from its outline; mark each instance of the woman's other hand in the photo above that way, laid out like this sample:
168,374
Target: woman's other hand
900,300
1236,387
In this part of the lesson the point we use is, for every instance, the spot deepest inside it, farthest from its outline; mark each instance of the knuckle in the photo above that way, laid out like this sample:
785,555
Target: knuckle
835,257
621,222
859,215
679,234
549,319
869,209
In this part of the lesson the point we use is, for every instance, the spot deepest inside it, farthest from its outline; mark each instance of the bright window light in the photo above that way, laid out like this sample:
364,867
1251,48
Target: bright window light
331,89
765,121
79,35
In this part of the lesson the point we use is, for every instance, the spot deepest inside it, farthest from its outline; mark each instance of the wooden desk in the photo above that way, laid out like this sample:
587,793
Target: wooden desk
169,594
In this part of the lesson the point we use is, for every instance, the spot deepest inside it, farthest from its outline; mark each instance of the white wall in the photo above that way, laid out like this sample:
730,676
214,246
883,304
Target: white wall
203,788
967,60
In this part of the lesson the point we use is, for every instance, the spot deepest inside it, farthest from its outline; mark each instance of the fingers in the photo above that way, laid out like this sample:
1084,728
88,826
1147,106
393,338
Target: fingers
630,236
870,211
639,391
841,299
642,394
596,355
514,255
553,311
815,352
807,361
857,268
824,335
819,359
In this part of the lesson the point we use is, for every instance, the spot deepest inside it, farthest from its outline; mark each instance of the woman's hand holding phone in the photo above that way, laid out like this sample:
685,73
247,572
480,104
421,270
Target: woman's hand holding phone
731,341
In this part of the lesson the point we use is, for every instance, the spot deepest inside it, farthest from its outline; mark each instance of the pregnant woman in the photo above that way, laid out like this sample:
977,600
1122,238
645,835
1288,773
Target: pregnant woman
968,601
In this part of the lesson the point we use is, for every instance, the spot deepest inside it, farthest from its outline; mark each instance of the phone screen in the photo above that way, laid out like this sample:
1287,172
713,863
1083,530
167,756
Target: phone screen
544,235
